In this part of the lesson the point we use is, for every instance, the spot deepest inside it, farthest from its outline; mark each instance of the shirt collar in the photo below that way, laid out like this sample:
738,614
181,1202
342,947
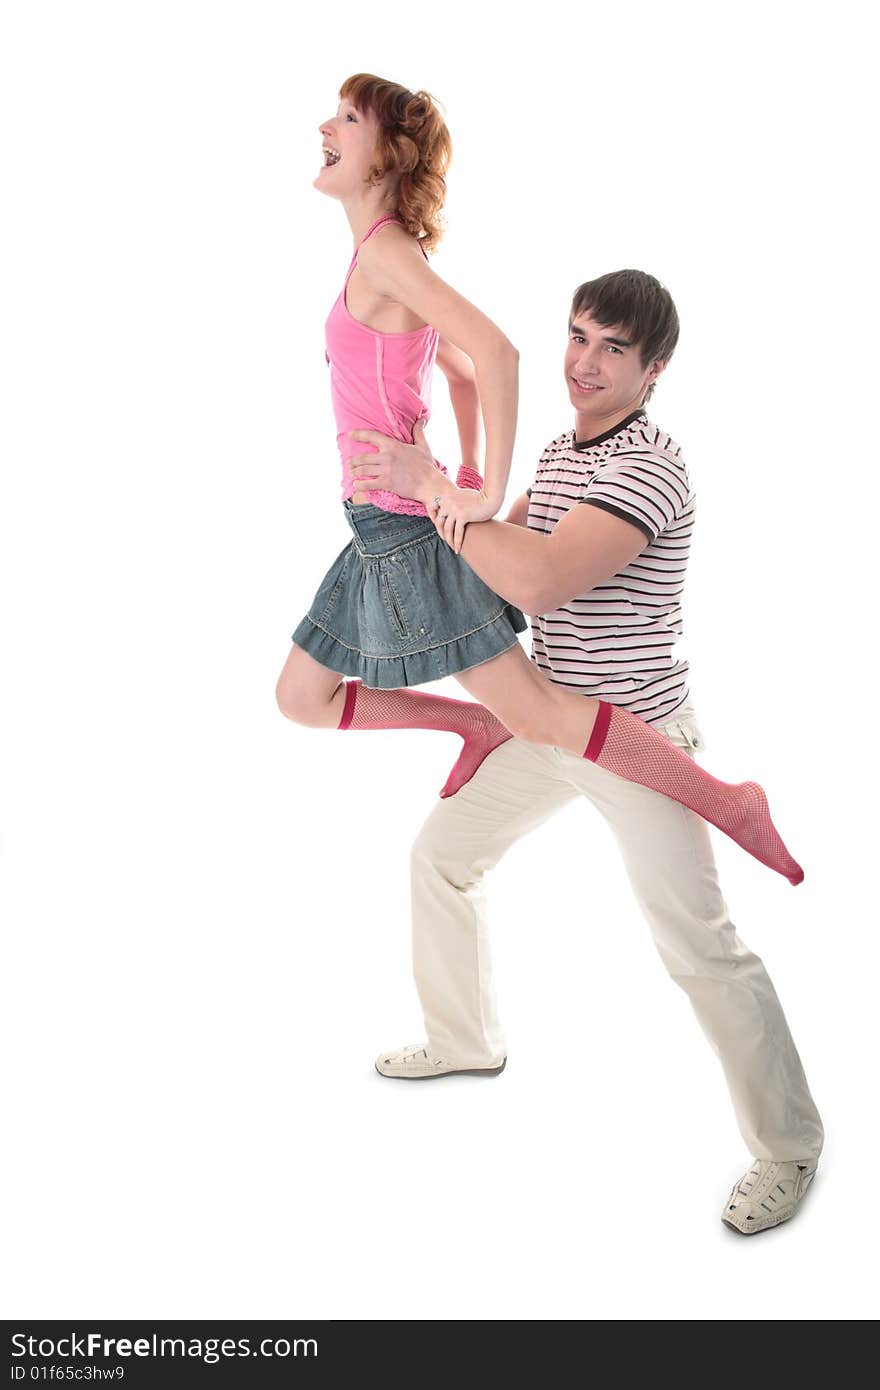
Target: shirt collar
581,444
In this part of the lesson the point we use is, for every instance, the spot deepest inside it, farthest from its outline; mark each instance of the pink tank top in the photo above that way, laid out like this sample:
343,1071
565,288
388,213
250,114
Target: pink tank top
378,381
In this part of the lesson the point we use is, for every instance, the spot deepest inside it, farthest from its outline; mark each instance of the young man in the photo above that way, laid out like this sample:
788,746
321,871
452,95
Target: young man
612,487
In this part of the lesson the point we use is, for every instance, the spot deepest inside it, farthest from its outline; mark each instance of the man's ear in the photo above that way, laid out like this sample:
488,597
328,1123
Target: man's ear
657,369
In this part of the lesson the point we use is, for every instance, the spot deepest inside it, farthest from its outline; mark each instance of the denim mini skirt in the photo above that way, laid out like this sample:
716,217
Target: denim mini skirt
398,606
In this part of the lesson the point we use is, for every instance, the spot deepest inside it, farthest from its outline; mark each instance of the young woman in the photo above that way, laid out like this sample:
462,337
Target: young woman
398,607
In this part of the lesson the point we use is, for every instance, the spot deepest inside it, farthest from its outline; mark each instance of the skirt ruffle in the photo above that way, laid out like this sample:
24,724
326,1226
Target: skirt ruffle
415,668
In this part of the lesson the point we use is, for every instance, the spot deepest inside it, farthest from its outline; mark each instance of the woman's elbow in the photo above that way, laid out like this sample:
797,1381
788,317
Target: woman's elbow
503,350
495,352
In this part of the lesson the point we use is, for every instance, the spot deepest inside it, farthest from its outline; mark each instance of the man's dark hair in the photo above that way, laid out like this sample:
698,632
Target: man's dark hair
640,304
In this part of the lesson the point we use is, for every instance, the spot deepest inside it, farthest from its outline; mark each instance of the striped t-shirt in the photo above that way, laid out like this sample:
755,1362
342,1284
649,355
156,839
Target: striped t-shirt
615,642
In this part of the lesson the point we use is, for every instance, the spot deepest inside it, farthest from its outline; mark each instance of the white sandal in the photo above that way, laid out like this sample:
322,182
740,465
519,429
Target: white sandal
767,1194
412,1063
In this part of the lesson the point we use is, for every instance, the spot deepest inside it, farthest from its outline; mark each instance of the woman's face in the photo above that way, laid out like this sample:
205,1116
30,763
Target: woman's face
349,146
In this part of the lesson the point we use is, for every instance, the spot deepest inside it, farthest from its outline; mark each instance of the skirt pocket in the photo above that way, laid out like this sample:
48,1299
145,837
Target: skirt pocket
327,597
393,606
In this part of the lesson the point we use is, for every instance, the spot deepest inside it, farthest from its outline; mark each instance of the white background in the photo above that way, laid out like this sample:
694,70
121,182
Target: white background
206,908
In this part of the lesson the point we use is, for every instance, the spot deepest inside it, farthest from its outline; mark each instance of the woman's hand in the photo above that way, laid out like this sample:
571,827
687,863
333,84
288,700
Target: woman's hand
452,508
407,469
411,470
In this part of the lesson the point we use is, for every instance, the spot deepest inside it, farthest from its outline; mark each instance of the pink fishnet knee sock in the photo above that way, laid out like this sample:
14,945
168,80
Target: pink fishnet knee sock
627,746
413,709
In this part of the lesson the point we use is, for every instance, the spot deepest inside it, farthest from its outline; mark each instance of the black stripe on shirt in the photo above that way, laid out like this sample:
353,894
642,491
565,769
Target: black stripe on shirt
624,516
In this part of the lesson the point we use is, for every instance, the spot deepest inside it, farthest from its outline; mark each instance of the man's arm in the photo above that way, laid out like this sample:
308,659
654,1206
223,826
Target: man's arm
540,573
519,512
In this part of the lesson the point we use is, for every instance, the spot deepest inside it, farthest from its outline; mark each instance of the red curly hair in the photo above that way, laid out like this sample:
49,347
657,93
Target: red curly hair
413,143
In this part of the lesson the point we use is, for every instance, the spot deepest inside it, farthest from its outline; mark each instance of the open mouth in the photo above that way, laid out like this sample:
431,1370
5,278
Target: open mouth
586,386
331,156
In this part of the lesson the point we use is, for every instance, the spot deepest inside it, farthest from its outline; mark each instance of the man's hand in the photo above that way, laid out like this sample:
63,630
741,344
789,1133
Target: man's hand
407,469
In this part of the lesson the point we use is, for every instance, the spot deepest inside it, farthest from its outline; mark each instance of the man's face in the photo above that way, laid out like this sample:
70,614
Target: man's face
604,375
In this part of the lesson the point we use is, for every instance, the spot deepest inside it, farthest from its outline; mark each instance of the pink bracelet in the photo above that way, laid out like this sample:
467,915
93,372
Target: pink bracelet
469,477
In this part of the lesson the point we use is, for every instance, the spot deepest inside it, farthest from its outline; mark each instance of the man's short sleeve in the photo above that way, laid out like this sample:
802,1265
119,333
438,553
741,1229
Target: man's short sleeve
649,490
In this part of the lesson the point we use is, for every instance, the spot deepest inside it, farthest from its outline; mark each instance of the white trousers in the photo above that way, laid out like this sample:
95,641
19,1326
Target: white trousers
668,855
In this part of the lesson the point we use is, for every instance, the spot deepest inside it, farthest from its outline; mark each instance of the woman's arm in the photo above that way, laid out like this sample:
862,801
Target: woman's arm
461,379
395,266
